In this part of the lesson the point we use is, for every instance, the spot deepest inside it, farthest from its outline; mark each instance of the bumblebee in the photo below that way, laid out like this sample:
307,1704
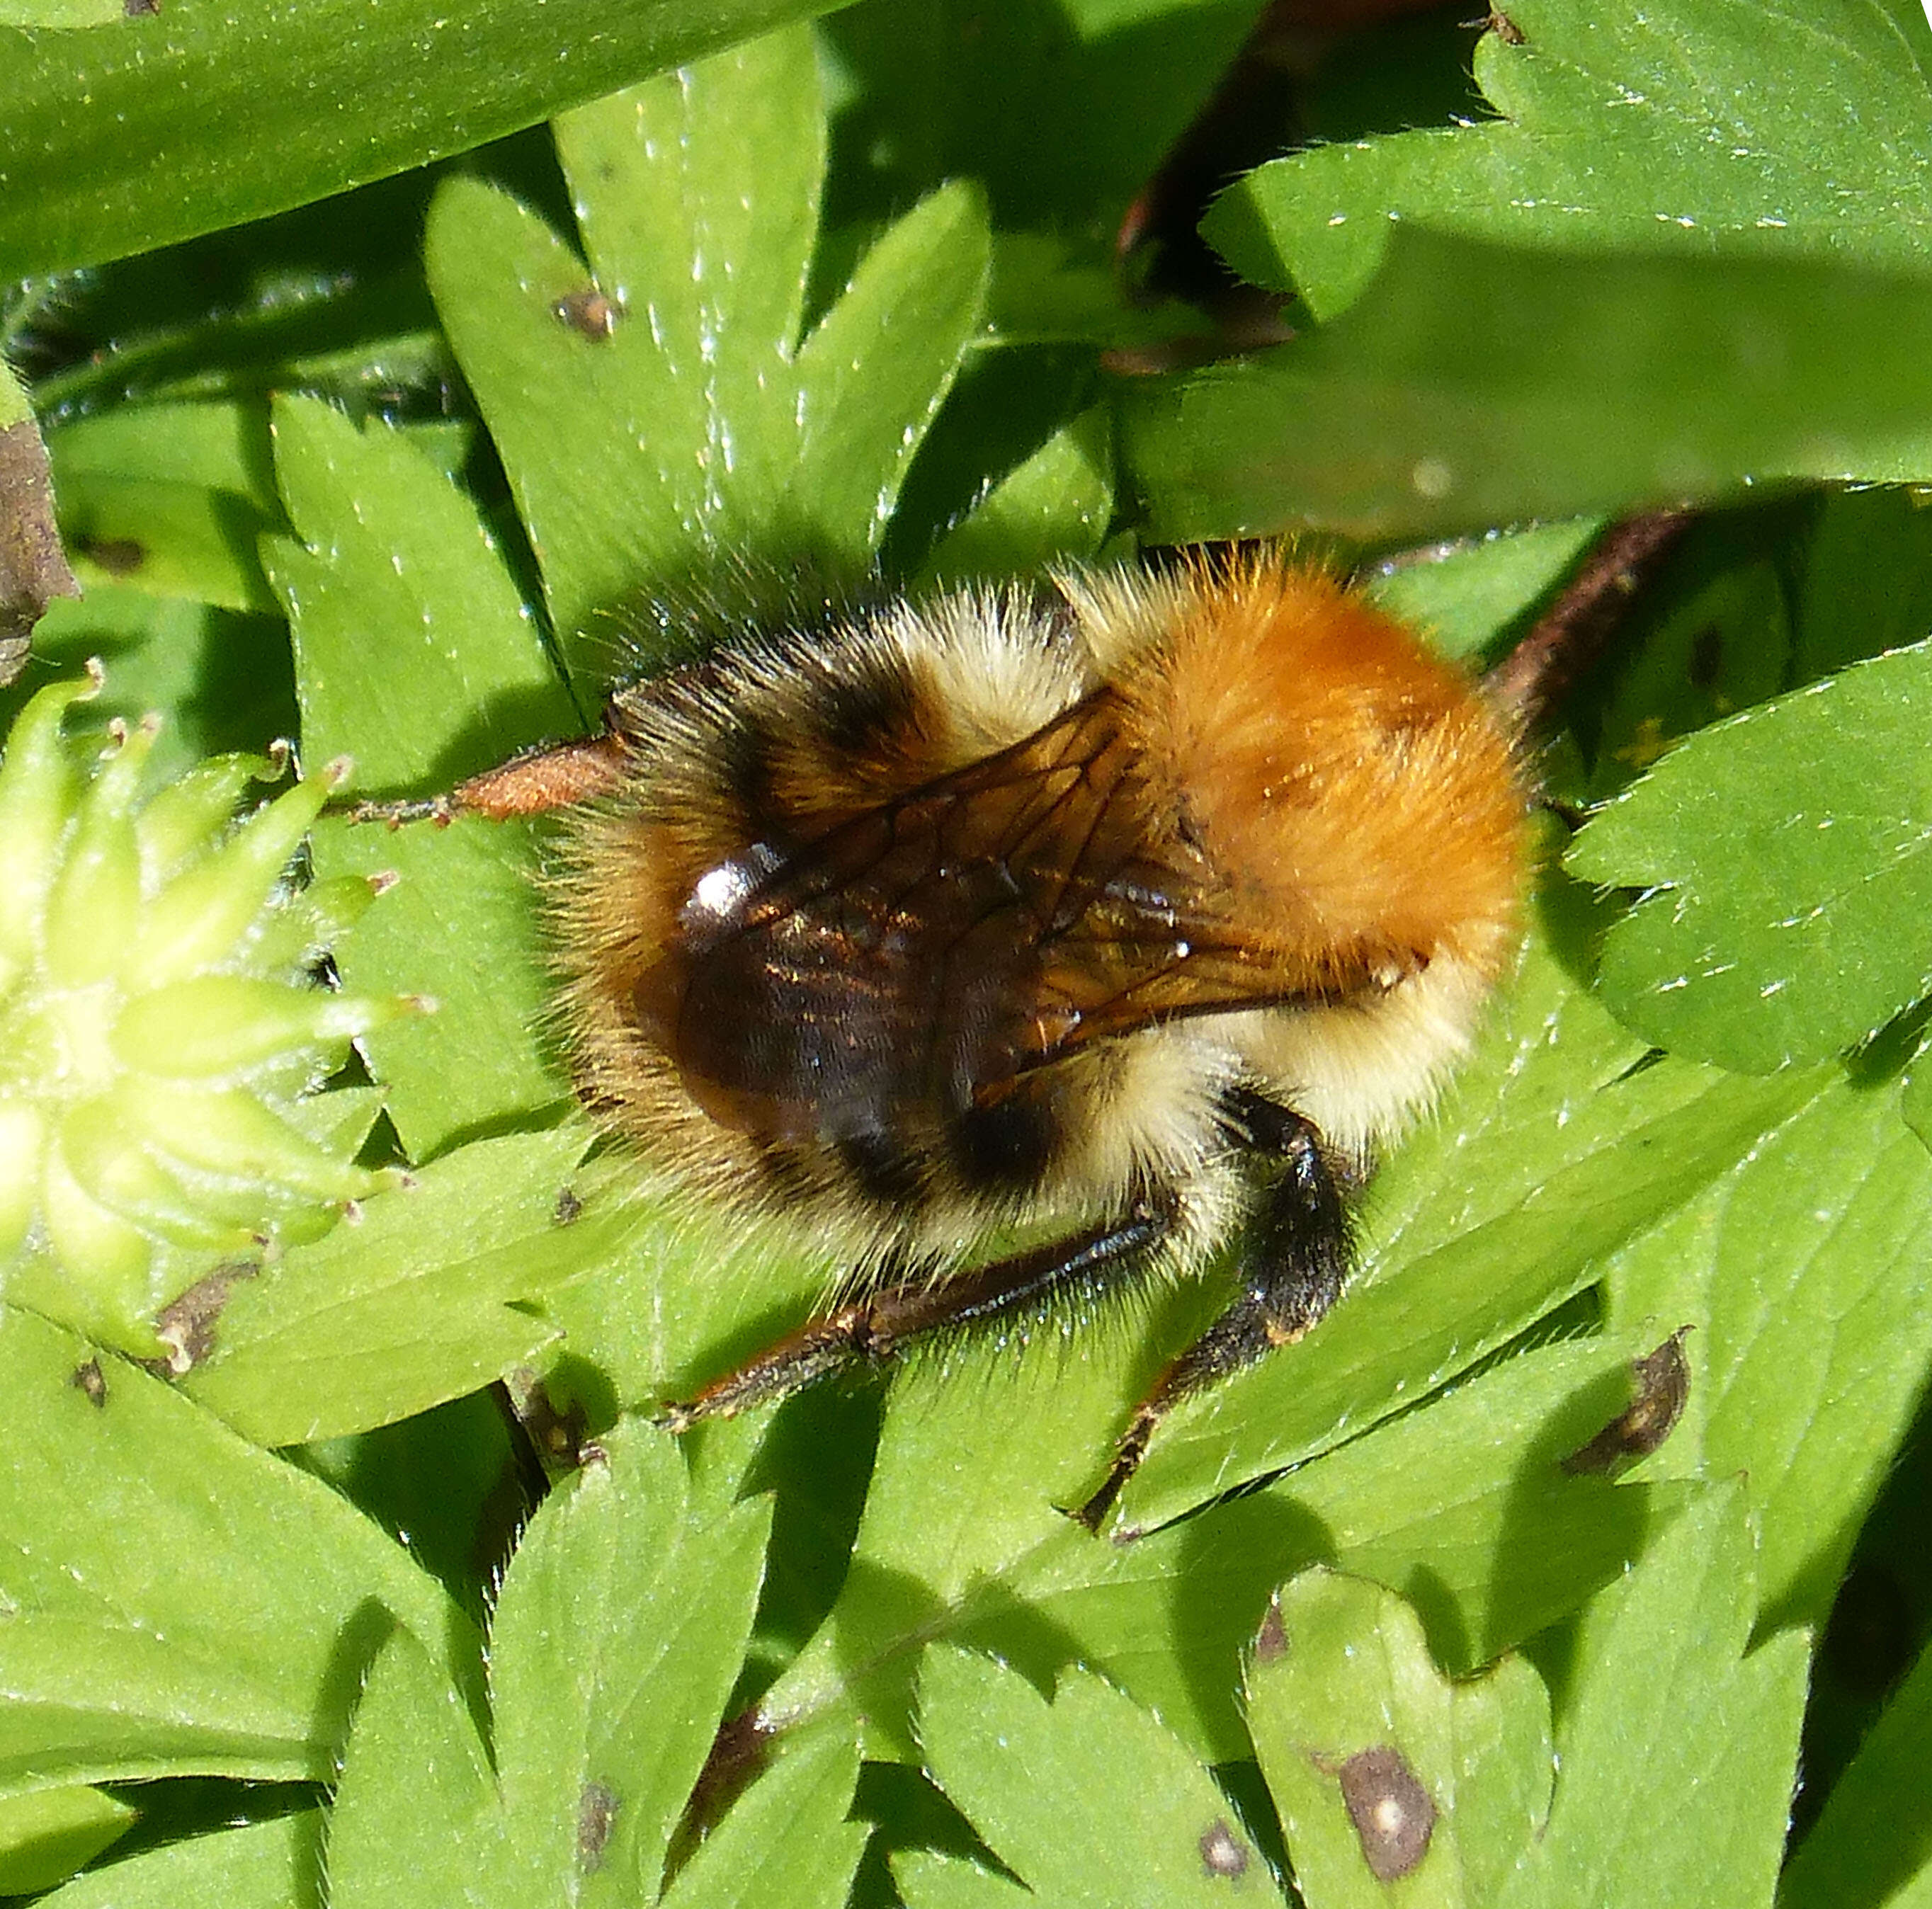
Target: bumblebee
1142,913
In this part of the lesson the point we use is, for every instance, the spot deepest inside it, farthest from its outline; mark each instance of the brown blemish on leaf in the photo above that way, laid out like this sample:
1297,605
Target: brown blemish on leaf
1271,1644
558,1435
1504,28
33,568
567,1209
119,557
91,1381
186,1326
589,313
1662,1381
596,1817
1393,1814
1223,1853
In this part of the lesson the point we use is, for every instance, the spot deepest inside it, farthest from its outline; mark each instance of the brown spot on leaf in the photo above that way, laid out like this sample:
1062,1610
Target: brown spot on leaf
91,1381
567,1207
1504,28
1662,1381
558,1435
1393,1814
1223,1853
1271,1644
33,568
186,1326
596,1817
119,557
589,313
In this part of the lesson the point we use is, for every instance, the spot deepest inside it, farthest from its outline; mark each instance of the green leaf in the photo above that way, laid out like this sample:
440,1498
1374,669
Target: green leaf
171,499
1779,853
219,680
870,385
788,1841
197,116
415,1784
392,546
616,1640
1465,600
460,928
1803,1269
1872,1844
661,420
1475,384
1551,1151
1054,508
928,1881
620,1628
411,1305
1462,1503
1088,1799
1677,1752
183,1602
1667,130
46,1835
265,1866
1353,1721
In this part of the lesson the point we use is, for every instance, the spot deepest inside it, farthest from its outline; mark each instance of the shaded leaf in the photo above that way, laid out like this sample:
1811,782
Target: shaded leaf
1475,385
1872,1844
1055,508
171,499
46,1835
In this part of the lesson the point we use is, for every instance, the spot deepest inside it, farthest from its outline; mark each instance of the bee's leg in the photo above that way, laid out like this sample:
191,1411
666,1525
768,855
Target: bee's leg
1295,1264
539,780
881,1323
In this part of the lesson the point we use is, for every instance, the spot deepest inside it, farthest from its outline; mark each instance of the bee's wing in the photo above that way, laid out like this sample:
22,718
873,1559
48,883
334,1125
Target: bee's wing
925,953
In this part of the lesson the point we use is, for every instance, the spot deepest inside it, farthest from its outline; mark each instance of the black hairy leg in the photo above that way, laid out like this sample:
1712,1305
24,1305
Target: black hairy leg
882,1323
1295,1263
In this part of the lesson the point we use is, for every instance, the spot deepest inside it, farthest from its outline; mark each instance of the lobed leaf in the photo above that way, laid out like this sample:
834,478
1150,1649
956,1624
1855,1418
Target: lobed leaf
1677,1751
1781,857
182,1601
1665,130
1047,1785
1451,1781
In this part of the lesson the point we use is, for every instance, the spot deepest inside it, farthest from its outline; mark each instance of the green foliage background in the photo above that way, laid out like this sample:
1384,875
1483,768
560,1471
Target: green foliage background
375,473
